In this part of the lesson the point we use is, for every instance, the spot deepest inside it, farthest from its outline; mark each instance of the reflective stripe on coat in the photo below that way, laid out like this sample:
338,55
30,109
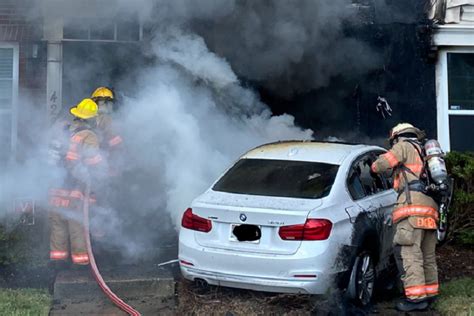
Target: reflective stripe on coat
422,206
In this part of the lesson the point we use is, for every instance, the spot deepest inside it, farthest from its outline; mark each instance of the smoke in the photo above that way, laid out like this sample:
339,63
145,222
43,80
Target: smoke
26,177
190,52
187,115
289,46
286,46
190,120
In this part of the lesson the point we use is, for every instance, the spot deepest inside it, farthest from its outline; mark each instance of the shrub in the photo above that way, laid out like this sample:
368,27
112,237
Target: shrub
10,243
461,213
23,245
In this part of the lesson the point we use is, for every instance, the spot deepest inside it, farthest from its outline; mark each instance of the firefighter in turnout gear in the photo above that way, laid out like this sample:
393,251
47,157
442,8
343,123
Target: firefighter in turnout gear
82,161
415,216
110,140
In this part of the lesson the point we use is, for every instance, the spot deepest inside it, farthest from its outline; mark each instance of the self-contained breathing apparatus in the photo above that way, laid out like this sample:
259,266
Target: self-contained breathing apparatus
433,181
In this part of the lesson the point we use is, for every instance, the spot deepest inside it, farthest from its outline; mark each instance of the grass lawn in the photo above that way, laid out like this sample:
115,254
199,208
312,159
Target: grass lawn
457,298
24,302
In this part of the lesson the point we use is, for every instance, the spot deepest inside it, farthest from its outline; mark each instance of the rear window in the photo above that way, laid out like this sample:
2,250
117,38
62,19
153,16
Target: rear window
296,179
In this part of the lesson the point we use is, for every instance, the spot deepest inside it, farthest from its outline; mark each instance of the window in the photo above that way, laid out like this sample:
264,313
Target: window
361,182
127,29
8,98
285,178
461,81
455,76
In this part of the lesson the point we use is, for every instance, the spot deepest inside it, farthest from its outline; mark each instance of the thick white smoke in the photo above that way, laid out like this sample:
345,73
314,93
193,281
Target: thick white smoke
188,122
25,176
192,119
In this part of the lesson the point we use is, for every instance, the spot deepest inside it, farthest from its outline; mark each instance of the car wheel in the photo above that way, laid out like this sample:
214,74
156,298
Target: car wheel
362,279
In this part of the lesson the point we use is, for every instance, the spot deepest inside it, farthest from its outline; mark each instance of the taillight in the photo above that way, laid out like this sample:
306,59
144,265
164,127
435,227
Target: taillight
313,229
194,222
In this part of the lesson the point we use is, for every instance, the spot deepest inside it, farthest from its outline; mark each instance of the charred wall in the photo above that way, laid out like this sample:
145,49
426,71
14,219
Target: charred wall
405,75
397,65
396,34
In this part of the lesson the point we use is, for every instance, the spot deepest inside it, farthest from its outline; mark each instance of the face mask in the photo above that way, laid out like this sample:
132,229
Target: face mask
105,106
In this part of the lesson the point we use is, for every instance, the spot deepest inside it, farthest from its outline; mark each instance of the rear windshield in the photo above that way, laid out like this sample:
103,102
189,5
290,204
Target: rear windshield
296,179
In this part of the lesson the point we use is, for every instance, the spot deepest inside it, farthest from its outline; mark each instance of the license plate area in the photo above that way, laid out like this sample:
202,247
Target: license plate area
245,233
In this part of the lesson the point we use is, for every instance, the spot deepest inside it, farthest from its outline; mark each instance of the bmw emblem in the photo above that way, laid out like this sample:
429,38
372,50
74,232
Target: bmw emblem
243,217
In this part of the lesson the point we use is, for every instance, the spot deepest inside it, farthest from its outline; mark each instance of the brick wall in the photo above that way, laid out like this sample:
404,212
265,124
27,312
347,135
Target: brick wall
18,24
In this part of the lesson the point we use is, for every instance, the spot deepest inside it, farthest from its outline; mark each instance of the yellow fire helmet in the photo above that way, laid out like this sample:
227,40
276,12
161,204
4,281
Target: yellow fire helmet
403,128
86,109
103,93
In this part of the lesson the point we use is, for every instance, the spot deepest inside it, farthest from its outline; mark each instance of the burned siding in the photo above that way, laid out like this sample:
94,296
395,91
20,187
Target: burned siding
399,33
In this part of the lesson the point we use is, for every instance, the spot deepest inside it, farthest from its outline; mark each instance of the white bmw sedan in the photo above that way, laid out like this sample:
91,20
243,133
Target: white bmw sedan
294,217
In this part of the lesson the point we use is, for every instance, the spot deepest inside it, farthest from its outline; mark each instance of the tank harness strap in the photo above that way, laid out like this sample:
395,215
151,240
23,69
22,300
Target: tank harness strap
406,189
415,185
419,151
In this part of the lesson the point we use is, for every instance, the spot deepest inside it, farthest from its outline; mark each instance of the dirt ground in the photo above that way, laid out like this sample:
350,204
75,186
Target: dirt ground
454,262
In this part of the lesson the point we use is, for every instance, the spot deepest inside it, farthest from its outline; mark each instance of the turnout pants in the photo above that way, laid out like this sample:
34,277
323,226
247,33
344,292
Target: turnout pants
67,229
415,248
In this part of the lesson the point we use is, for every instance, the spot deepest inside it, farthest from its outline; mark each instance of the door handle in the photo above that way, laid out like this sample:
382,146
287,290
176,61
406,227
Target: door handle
351,212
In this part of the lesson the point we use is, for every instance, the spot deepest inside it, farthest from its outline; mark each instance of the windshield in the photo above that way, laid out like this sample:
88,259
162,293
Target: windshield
285,178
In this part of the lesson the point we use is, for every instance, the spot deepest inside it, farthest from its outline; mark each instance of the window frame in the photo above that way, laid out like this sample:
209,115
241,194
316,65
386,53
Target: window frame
13,111
116,35
442,95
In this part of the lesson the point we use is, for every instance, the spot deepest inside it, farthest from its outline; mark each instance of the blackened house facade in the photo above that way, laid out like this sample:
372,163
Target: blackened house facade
427,75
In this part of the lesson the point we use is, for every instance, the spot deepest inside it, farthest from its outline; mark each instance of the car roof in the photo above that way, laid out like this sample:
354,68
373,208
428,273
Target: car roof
317,151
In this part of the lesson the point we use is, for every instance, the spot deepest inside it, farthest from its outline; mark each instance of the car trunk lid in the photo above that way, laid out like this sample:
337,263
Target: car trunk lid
265,214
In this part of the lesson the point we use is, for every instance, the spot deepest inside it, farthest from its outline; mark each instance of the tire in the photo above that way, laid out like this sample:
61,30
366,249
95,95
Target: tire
362,279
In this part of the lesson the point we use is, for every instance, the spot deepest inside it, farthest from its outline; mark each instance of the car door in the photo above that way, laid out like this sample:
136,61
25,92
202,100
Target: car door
384,199
374,201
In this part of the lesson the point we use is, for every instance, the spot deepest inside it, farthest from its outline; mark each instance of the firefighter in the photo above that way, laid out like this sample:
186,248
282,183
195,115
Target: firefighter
83,162
415,216
110,140
111,147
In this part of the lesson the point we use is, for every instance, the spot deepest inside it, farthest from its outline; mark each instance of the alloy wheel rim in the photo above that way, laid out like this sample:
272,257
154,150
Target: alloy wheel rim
366,280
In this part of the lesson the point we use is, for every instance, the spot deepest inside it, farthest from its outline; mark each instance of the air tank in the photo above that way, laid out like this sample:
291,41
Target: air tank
435,160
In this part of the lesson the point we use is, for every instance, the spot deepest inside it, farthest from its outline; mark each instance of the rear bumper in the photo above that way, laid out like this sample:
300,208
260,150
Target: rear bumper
310,270
313,286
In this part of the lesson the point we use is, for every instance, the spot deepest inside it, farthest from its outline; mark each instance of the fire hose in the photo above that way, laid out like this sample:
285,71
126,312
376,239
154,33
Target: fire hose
95,270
